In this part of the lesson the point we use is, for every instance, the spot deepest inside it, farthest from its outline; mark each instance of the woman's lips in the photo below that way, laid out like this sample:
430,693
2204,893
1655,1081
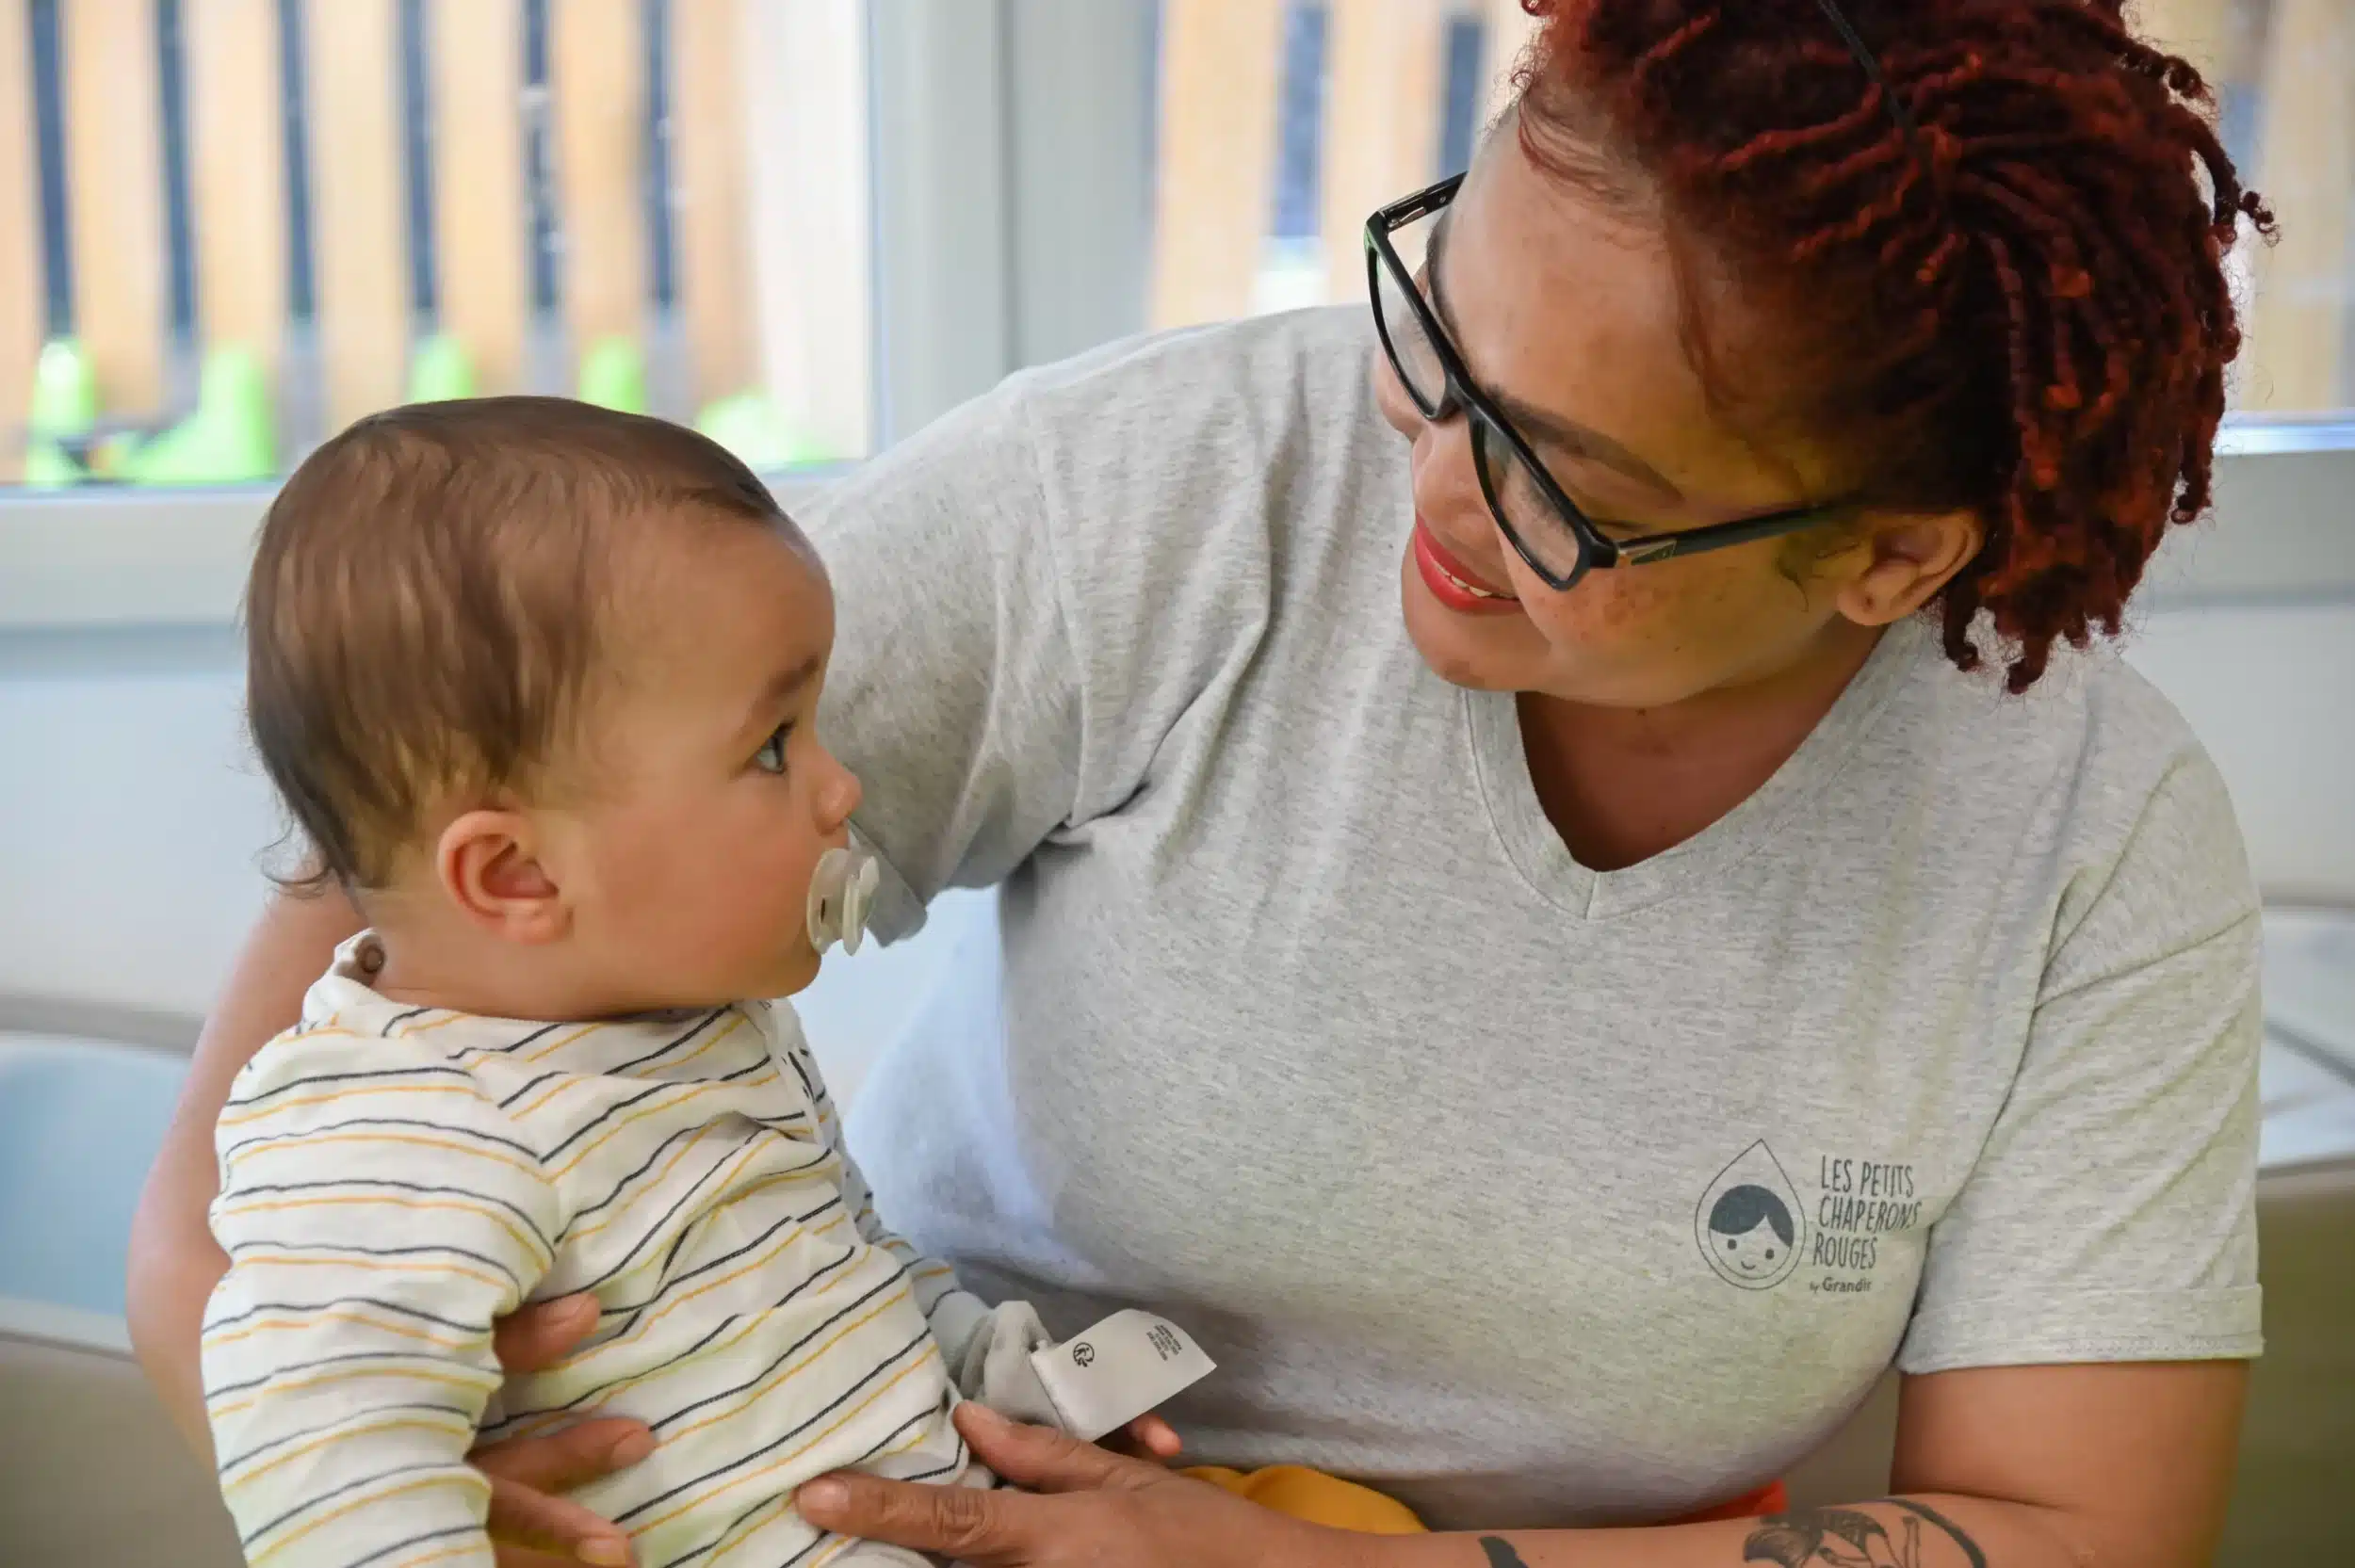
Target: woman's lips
1451,583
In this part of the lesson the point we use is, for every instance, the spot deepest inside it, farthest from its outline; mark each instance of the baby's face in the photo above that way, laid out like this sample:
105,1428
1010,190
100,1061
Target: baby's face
690,860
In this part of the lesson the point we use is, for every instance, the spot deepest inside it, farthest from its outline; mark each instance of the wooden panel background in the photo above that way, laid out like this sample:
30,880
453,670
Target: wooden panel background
1383,107
115,196
2298,346
359,226
20,291
1221,63
236,131
597,75
708,52
481,236
771,206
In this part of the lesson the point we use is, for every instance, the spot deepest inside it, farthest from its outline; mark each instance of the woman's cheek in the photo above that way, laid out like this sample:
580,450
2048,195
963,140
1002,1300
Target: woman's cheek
1608,613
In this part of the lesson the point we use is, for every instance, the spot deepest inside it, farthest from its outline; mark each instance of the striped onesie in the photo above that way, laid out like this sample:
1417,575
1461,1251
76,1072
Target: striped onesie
392,1178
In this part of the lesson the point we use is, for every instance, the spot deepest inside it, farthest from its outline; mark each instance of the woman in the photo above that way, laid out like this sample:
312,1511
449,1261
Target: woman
1559,1053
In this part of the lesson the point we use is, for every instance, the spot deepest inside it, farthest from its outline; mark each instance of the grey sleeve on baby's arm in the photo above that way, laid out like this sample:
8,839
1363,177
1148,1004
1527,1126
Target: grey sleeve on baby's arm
2111,1216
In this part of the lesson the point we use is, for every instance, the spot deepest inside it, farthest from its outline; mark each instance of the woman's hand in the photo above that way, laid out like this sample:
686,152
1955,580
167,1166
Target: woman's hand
531,1526
1101,1509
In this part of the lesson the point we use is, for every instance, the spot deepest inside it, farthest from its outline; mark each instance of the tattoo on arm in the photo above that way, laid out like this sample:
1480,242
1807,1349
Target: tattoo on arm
1844,1538
1501,1554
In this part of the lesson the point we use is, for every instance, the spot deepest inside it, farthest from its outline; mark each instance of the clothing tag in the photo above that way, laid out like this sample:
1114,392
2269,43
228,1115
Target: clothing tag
1130,1363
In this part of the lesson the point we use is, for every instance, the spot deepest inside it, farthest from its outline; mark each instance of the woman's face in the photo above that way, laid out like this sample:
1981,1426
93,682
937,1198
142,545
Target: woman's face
1567,313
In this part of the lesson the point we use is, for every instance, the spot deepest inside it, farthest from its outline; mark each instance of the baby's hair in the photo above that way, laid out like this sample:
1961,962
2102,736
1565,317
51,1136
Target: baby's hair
428,593
1740,1208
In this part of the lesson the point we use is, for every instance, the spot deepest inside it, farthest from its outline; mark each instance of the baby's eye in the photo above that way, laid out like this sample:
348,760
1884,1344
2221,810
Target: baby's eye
770,758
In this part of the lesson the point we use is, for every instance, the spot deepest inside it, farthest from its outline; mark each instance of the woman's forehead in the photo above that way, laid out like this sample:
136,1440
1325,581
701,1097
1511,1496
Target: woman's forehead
1569,300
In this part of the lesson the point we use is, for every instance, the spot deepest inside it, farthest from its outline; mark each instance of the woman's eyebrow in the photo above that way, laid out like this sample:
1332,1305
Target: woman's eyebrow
1534,422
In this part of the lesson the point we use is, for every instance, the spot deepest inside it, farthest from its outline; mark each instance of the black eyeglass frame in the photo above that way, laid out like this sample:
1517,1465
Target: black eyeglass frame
1596,551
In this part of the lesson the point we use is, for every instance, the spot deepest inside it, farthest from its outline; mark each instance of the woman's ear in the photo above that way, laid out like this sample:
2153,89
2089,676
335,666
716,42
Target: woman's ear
490,865
1908,561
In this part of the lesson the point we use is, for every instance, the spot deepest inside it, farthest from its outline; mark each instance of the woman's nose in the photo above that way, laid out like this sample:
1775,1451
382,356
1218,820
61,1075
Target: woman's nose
1445,484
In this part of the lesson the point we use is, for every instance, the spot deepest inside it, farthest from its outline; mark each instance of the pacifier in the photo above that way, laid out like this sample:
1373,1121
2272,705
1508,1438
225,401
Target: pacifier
842,891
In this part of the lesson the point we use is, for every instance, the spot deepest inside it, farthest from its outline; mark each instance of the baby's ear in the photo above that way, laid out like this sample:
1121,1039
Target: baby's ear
488,863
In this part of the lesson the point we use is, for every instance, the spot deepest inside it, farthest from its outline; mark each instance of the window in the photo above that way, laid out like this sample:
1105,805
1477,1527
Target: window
2284,75
228,227
1283,123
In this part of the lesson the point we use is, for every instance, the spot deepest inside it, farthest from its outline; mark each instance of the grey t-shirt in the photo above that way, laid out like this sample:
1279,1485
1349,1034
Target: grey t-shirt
1533,1195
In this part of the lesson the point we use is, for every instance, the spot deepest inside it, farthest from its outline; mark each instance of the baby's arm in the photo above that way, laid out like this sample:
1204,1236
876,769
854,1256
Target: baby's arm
378,1211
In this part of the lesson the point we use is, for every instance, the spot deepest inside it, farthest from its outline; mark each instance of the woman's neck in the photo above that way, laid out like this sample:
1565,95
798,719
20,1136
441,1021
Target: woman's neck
1623,784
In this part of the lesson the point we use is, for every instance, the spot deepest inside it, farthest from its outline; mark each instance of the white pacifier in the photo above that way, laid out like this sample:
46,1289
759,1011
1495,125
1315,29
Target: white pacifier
841,891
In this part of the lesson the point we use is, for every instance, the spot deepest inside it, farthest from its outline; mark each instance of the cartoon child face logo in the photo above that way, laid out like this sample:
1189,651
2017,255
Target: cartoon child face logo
1750,1236
1749,1222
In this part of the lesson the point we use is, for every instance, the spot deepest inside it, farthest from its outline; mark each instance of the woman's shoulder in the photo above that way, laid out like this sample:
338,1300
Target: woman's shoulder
2096,780
1147,447
1235,409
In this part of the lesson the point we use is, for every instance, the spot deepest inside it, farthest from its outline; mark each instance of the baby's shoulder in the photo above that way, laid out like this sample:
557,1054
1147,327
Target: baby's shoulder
326,1075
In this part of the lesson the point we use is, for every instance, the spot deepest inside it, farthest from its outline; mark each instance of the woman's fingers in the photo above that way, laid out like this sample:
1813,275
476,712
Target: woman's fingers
572,1457
960,1522
1044,1459
1155,1438
534,1339
533,1529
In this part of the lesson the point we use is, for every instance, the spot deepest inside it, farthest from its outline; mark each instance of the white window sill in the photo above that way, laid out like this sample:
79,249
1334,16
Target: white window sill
99,557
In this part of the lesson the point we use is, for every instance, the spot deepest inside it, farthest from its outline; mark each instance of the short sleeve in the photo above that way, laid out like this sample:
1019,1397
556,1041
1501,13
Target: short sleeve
953,693
1034,593
2111,1216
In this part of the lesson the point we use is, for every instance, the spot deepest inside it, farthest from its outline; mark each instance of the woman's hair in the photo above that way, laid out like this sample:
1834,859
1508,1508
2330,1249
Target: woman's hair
2021,311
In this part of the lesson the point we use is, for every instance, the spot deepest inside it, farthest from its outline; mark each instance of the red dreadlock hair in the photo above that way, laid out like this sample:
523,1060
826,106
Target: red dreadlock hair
2023,312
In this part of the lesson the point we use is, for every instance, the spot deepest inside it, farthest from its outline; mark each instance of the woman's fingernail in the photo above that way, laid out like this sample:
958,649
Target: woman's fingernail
985,1417
605,1553
580,1307
630,1450
827,1496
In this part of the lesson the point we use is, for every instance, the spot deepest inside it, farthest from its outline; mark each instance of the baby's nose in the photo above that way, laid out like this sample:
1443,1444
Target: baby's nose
842,802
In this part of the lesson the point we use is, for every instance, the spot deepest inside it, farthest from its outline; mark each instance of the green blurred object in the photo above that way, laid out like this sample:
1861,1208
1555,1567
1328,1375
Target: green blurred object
440,371
64,406
749,425
232,438
65,389
613,376
48,467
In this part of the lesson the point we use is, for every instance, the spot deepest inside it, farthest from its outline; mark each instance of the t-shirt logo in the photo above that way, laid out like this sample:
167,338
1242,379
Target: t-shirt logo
1749,1221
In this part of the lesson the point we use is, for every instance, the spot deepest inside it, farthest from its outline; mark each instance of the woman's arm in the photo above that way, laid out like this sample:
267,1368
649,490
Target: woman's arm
174,1263
2008,1467
2001,1468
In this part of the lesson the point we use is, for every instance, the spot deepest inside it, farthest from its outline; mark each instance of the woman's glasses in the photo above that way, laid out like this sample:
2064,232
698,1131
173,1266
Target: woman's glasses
1560,542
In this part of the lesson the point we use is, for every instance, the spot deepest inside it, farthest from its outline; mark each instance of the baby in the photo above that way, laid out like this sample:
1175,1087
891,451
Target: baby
539,683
